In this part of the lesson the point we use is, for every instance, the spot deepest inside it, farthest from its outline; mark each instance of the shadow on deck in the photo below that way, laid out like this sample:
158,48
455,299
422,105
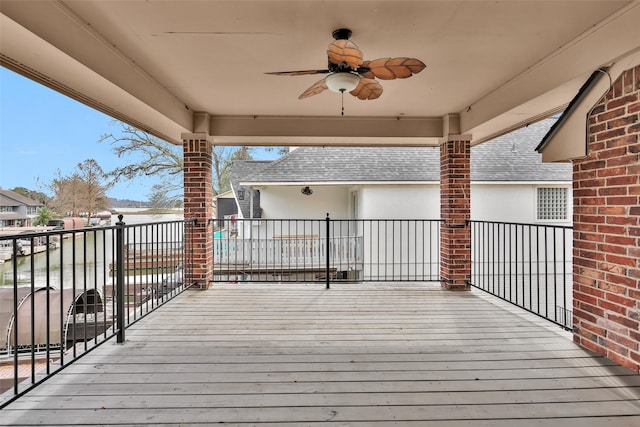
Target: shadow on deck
375,354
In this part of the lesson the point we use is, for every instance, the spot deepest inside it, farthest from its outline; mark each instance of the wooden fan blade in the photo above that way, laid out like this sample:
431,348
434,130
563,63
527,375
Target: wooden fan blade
316,88
367,89
298,73
392,68
344,51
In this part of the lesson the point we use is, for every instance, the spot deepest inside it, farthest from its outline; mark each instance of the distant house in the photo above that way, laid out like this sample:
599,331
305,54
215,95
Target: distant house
509,182
224,205
17,210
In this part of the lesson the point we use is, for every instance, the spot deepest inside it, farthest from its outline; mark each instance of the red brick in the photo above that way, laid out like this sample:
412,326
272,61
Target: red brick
612,191
612,133
621,280
622,121
618,350
608,114
611,229
594,329
612,210
621,240
612,171
593,346
622,101
628,160
593,164
622,180
612,152
621,260
623,360
620,300
625,322
608,306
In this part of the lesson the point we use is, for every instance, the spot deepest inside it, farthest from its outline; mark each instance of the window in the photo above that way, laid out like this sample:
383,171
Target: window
551,203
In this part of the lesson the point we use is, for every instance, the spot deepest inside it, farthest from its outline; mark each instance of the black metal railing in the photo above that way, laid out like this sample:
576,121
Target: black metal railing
303,250
528,265
64,292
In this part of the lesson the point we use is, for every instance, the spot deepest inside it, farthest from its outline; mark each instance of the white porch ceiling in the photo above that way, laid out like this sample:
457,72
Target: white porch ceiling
173,67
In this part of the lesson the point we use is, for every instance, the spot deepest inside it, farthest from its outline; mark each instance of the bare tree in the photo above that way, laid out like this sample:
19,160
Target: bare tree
67,194
165,160
83,191
159,158
94,189
223,158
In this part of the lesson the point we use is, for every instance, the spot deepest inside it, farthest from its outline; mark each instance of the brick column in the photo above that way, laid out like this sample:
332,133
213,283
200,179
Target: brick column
606,253
455,208
198,205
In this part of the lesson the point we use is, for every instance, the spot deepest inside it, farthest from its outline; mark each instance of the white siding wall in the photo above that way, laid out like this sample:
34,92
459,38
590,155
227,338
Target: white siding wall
489,202
289,202
510,203
400,202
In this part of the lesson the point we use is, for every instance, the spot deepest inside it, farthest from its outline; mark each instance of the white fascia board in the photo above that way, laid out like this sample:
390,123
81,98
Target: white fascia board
563,182
330,183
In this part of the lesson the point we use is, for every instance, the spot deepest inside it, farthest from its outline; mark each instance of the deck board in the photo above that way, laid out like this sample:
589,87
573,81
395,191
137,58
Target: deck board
365,354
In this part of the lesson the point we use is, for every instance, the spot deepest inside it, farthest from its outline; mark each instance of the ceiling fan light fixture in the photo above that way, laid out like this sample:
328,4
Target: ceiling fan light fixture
342,82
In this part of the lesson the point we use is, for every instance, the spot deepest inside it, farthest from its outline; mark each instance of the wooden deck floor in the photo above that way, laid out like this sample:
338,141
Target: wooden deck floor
365,355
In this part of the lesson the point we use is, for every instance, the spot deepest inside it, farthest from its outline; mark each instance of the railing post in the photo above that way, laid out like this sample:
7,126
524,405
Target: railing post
120,297
328,252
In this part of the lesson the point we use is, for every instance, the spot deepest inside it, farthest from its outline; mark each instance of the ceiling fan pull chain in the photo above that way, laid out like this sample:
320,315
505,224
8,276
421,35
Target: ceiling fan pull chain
342,94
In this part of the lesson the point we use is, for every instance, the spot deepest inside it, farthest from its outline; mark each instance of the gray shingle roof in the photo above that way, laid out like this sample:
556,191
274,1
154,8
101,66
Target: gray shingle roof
513,157
11,198
509,158
352,164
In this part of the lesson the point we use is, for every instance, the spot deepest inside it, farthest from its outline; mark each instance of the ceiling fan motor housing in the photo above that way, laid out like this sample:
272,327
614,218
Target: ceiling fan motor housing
341,34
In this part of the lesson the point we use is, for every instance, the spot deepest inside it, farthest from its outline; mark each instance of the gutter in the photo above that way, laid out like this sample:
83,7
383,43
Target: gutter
593,79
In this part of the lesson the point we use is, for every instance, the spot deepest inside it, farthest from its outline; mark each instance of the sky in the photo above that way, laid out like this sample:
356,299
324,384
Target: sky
43,132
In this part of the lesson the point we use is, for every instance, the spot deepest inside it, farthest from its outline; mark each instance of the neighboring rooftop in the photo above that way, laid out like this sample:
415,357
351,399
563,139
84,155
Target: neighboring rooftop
351,164
241,169
511,157
11,198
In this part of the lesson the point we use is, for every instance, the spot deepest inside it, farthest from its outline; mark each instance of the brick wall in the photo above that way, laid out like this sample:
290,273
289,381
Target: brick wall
455,210
607,227
198,205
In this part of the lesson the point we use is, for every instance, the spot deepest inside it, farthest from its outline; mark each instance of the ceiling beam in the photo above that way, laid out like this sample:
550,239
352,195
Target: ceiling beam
323,130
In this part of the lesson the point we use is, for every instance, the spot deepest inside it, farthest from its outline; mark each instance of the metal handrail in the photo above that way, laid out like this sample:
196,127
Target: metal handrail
528,265
326,250
80,288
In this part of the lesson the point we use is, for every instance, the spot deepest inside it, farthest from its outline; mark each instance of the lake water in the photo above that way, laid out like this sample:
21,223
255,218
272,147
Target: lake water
90,253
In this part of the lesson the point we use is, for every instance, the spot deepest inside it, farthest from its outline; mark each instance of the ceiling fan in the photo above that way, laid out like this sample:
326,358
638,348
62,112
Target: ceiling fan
348,72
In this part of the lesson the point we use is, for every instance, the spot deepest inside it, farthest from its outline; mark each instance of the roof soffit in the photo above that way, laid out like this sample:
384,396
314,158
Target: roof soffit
166,61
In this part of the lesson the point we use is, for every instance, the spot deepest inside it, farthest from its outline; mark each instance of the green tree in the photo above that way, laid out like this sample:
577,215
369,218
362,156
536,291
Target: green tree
32,194
44,216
